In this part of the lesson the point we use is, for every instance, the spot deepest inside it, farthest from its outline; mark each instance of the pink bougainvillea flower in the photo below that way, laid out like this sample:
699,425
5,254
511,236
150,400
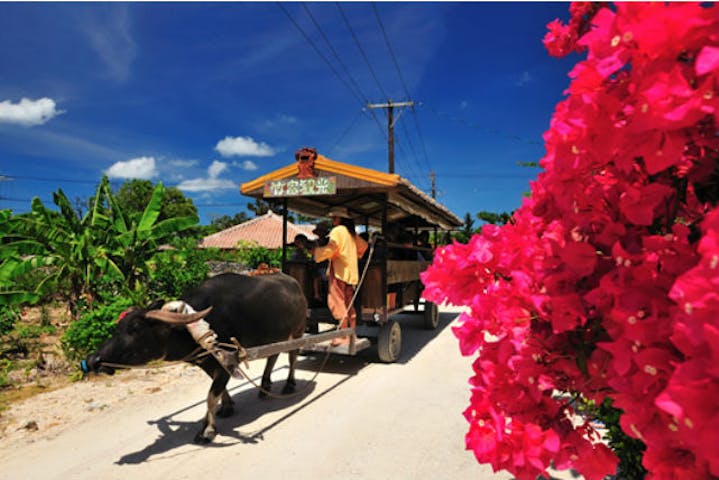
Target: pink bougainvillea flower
638,204
580,257
559,40
707,60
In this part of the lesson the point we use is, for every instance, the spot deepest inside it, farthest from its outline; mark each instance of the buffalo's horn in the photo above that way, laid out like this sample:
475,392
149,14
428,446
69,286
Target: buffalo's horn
178,318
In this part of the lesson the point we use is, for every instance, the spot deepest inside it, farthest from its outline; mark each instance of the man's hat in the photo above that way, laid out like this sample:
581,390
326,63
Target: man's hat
338,212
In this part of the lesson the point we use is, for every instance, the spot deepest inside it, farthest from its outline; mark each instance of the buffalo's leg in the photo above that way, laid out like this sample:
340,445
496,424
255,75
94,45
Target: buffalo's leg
291,384
217,390
266,376
227,407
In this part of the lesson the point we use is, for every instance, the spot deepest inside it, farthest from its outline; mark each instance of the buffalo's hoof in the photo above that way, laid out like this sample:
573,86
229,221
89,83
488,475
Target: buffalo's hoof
263,393
200,439
289,388
226,410
205,436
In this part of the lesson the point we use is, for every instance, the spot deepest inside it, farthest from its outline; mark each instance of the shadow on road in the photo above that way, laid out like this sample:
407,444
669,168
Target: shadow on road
175,433
414,338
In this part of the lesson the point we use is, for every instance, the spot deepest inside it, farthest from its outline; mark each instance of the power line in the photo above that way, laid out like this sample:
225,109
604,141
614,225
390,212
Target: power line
389,47
409,141
329,64
476,126
344,68
348,129
354,88
54,179
404,84
359,46
20,200
334,52
317,50
488,176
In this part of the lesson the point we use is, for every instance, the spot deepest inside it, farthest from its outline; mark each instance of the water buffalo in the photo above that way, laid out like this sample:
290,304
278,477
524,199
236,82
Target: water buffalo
254,309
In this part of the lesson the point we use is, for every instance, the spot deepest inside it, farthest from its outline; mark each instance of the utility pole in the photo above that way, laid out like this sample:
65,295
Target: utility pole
433,178
390,126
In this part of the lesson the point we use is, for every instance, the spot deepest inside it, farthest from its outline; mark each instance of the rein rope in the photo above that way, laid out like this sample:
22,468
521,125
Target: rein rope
191,357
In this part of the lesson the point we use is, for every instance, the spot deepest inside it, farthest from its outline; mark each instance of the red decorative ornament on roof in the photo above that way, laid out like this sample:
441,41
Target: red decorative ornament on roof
306,157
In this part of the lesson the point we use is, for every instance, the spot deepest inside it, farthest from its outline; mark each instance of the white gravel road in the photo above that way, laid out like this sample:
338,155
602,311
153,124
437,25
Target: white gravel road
360,419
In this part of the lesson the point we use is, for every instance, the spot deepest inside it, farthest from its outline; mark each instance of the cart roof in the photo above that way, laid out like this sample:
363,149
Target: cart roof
361,190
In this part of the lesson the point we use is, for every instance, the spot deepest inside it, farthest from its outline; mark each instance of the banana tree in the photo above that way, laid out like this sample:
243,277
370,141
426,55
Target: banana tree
138,237
76,256
57,252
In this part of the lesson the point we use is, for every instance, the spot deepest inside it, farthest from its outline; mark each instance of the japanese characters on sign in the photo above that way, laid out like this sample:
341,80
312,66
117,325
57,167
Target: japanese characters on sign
297,187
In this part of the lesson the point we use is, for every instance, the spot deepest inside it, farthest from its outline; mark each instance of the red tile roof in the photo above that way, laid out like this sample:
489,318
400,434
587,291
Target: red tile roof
265,230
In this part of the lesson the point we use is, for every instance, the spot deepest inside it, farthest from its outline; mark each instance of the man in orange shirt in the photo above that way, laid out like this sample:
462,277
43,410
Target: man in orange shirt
342,250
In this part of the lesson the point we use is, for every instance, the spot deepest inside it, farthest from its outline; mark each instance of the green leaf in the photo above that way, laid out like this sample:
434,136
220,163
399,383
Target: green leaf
66,209
152,210
171,226
20,248
119,219
8,298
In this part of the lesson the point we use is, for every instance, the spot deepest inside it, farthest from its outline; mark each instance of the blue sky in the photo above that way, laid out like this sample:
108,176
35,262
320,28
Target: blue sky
206,96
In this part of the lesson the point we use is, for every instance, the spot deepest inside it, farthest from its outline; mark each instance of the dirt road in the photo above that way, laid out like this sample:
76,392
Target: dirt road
359,419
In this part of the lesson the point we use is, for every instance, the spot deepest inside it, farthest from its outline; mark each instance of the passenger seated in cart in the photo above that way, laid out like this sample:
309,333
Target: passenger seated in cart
422,243
303,253
302,248
400,243
343,250
322,230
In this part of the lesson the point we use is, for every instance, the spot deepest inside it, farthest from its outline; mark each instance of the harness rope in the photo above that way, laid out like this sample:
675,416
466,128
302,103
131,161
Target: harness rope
327,348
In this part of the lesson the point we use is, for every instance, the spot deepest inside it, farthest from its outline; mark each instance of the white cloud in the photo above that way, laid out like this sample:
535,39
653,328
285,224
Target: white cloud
182,163
28,112
280,120
108,30
141,167
211,183
245,165
206,184
216,169
243,147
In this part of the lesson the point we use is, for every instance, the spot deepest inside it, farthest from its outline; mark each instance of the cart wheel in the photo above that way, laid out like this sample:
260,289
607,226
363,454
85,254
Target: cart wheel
389,342
431,315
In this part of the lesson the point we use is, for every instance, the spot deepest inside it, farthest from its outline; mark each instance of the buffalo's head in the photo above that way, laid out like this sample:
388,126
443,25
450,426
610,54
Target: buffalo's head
141,336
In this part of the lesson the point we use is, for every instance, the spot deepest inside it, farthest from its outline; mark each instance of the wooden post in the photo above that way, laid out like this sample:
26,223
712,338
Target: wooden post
284,235
390,127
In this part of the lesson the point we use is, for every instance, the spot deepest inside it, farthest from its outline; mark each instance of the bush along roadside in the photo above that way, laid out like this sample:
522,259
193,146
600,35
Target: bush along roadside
95,325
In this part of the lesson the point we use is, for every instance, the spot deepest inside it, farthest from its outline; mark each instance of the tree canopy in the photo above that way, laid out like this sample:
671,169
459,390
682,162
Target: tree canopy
134,195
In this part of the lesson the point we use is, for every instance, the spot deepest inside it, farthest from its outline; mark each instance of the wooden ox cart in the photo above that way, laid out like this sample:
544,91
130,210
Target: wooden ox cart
386,208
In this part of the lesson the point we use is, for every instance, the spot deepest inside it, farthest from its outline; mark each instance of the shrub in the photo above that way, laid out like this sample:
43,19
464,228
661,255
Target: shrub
176,271
86,334
8,317
252,255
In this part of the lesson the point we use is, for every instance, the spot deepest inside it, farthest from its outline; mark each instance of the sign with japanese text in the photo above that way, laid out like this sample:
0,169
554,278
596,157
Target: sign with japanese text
298,187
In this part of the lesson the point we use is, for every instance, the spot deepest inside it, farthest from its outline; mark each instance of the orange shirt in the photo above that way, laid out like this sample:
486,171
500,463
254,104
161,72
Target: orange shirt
343,250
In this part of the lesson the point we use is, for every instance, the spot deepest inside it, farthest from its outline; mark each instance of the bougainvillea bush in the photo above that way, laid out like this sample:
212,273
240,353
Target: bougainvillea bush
605,284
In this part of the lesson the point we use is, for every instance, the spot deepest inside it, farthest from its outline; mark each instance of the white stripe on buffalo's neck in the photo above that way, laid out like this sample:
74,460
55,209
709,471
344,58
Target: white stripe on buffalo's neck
198,329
